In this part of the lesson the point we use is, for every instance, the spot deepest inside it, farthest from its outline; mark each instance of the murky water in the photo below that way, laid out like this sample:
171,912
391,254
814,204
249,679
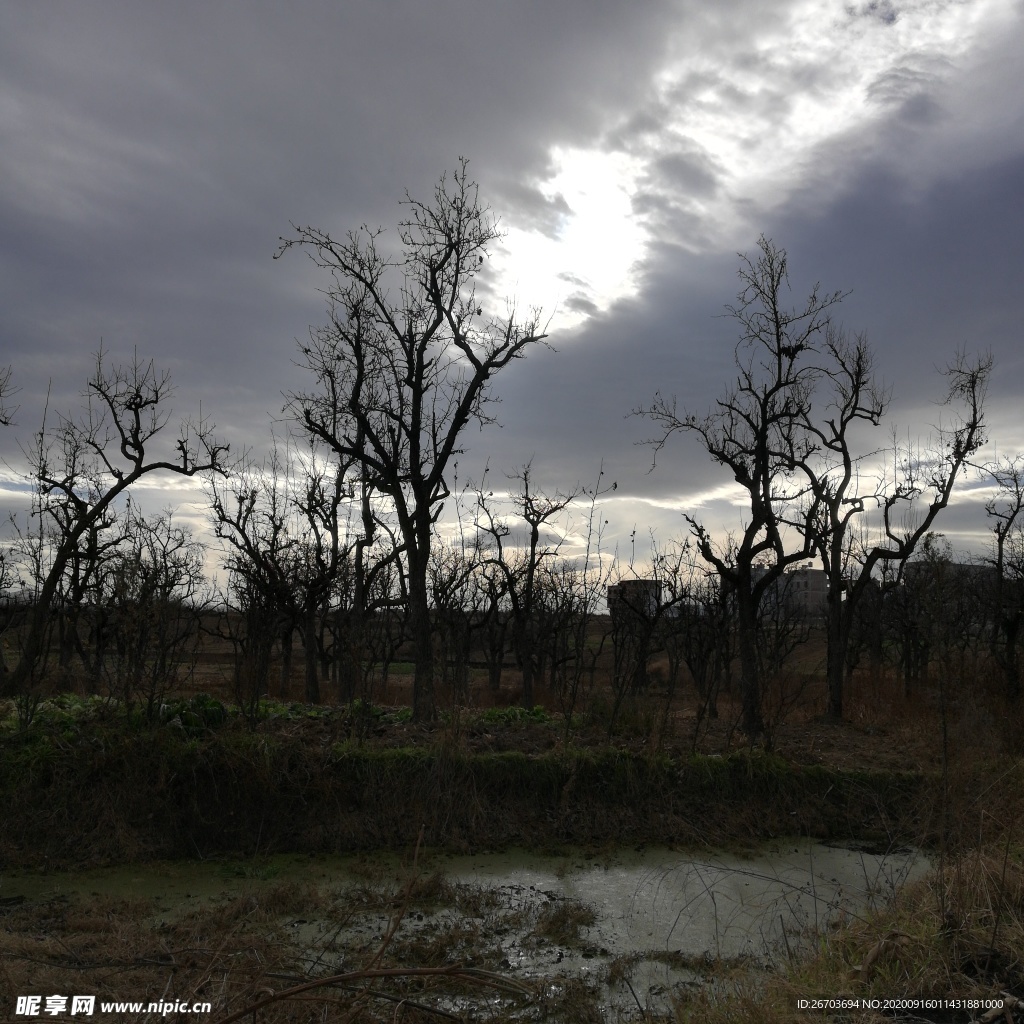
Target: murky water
657,911
668,911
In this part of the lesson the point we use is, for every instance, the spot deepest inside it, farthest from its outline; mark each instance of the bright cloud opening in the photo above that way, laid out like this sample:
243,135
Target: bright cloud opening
739,130
590,263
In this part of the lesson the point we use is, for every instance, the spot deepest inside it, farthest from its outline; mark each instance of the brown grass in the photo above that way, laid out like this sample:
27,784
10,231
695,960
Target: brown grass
421,949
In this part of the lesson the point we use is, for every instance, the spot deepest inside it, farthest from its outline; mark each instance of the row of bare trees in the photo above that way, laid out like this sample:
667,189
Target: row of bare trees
786,432
403,366
86,559
338,536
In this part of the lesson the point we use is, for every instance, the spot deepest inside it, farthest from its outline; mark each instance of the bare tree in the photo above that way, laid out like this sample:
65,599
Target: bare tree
153,596
83,467
521,565
1006,512
7,389
842,492
398,381
805,483
756,431
251,514
326,546
696,626
288,538
458,597
77,614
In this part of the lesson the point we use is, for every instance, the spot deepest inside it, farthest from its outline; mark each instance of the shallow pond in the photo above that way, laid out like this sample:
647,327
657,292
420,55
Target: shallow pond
643,922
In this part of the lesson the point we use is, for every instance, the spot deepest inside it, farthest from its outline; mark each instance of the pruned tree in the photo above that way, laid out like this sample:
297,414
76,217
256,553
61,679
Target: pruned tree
458,597
78,618
324,502
251,514
1006,512
635,609
82,468
152,596
842,491
494,624
521,561
288,537
756,430
580,584
696,628
398,380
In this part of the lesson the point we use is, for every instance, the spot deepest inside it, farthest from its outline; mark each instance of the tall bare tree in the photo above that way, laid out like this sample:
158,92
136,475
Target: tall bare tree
786,431
1006,511
84,465
756,431
398,380
842,490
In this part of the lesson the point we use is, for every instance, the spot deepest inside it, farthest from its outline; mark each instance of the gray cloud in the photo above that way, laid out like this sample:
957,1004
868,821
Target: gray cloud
152,156
532,209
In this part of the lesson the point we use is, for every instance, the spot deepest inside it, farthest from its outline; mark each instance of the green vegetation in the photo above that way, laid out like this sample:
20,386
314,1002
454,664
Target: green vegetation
92,781
514,714
201,781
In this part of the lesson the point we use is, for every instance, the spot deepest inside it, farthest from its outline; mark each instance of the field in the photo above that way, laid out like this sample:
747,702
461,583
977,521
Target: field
89,781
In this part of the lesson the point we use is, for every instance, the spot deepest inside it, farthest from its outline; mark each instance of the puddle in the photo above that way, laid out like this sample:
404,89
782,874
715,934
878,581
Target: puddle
641,923
672,914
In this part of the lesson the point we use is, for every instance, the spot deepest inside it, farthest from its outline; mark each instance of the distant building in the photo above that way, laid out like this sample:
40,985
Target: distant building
806,590
634,597
803,590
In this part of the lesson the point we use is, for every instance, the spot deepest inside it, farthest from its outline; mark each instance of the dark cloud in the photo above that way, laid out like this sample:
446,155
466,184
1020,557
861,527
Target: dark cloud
688,169
881,10
532,209
579,303
153,155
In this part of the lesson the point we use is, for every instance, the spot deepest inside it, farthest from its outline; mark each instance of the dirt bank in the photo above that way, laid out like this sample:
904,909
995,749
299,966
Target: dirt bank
116,794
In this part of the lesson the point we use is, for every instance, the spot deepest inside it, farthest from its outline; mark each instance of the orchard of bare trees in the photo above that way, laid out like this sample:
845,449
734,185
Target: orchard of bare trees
351,555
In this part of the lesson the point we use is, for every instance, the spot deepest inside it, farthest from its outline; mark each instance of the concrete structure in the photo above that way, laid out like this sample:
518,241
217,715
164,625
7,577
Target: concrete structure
806,590
634,597
803,590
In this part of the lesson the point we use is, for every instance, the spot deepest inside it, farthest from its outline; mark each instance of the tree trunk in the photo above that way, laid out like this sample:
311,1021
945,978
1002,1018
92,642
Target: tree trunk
348,645
286,661
310,651
527,653
1011,665
36,636
495,646
423,706
838,638
750,682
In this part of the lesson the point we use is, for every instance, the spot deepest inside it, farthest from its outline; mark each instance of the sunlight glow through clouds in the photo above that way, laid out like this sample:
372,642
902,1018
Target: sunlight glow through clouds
747,113
591,260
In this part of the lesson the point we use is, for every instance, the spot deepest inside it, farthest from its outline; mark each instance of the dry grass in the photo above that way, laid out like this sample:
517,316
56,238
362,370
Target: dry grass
420,950
562,920
959,933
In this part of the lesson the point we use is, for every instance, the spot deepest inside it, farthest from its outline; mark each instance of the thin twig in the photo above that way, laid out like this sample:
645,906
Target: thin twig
456,971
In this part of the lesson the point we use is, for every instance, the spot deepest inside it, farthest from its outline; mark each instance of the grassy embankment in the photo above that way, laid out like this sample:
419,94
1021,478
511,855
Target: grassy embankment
85,784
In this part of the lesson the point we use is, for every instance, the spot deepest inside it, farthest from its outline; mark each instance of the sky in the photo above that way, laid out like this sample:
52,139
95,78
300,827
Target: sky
151,156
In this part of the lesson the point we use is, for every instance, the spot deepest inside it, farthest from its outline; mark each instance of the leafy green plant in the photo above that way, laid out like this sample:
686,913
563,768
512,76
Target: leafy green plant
196,714
516,715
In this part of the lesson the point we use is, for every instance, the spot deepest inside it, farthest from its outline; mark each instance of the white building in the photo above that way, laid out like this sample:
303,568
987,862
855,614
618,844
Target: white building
806,589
